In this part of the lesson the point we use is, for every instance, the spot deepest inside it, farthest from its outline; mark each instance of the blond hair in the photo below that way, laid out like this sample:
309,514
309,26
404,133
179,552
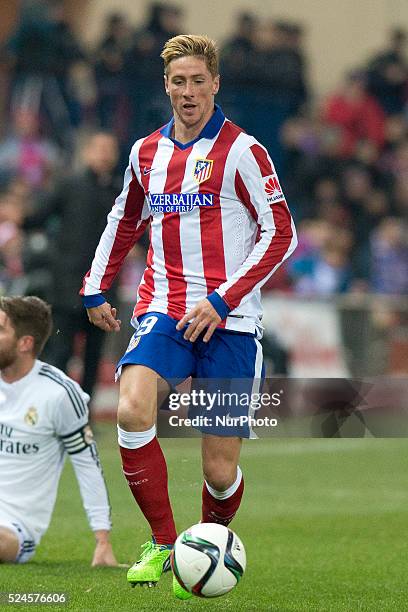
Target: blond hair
192,45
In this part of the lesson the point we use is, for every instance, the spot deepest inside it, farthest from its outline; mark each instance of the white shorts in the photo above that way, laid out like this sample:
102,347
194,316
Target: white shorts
27,544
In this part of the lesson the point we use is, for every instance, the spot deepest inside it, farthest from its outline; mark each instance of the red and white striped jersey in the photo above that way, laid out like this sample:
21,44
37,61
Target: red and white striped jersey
218,222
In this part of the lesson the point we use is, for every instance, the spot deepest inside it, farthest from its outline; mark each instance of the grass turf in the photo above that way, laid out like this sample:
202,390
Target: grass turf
323,522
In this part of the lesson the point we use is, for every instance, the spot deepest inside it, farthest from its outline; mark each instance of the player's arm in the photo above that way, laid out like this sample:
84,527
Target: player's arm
71,426
126,223
257,187
277,240
101,313
83,454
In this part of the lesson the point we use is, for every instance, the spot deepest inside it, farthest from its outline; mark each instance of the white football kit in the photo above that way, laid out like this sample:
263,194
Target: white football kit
44,417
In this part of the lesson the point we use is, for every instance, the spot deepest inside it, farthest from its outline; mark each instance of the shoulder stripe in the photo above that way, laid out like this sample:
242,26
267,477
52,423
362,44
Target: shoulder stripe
77,402
64,380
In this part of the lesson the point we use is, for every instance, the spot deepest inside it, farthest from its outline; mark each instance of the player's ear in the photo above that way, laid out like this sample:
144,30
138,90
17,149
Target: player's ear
26,344
166,84
216,84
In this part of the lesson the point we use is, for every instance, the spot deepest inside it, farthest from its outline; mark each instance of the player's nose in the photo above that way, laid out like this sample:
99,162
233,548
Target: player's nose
188,90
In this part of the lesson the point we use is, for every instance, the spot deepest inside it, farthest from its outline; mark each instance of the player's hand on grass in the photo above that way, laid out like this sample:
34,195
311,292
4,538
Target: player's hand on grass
202,316
103,553
104,317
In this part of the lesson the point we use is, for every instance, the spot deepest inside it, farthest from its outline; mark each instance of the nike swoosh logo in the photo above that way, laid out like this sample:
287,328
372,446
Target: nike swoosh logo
147,170
133,473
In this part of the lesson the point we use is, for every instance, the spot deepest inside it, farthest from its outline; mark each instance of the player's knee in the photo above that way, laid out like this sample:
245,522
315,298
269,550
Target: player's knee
134,414
220,476
9,546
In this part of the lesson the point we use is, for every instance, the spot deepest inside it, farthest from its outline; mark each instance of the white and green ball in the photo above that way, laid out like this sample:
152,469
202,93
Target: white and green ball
208,559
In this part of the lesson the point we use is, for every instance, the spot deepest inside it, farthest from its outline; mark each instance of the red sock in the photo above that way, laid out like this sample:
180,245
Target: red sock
220,511
146,472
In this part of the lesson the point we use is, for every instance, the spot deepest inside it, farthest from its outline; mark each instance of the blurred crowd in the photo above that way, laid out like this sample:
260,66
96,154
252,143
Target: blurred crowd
72,114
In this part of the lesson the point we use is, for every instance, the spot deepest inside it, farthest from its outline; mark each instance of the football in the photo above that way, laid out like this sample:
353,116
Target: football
208,560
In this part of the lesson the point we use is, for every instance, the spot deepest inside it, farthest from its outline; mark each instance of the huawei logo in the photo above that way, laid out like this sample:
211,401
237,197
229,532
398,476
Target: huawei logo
272,186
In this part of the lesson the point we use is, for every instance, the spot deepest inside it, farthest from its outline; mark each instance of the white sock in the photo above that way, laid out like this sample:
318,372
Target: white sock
230,491
135,439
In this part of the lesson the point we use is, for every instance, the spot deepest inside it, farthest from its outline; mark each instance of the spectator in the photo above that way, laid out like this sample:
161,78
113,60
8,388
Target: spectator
364,205
388,74
79,204
291,59
312,153
262,66
356,113
242,39
109,65
25,154
326,191
234,96
42,51
400,196
389,252
399,167
11,242
11,261
117,32
321,266
396,133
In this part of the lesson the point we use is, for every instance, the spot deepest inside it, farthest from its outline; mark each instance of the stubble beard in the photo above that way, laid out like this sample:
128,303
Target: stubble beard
7,358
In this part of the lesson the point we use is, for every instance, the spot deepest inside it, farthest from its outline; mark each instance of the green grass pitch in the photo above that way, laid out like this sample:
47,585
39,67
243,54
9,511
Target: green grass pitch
324,523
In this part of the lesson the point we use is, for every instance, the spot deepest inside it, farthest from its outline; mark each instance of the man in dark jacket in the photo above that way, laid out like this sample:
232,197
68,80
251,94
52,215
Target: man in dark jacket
41,52
77,209
388,74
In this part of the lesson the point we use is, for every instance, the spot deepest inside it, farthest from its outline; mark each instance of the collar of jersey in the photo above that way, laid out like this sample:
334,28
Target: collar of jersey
210,130
22,381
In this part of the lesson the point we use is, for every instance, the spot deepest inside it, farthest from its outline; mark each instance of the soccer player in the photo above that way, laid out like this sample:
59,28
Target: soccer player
219,227
43,417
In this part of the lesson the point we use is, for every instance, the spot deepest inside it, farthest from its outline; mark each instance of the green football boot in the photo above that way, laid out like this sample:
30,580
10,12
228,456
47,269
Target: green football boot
178,590
153,561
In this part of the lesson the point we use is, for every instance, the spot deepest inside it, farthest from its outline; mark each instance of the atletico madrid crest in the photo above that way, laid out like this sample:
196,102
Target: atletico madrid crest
202,170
